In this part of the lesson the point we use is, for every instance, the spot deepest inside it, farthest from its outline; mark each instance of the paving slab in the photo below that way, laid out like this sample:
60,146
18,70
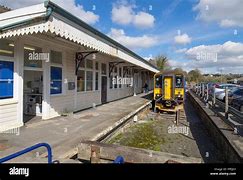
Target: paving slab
64,133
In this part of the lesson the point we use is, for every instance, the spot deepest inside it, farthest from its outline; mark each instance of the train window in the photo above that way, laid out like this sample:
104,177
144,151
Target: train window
179,81
158,81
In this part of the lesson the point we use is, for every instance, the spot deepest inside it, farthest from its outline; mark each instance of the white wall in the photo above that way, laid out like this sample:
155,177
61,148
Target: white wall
11,111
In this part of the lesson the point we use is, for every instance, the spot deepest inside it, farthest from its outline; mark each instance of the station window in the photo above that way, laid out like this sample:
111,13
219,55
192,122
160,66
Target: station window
120,76
89,80
103,69
82,64
56,80
6,48
115,75
6,79
56,72
96,80
96,66
56,57
111,81
81,80
89,64
32,56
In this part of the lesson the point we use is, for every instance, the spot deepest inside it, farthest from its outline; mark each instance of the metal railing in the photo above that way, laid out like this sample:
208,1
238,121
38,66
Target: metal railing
225,106
24,151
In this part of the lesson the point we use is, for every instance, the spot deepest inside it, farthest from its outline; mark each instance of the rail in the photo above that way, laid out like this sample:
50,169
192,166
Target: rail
29,149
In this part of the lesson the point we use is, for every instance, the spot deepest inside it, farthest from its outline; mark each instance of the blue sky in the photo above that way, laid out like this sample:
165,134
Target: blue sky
182,30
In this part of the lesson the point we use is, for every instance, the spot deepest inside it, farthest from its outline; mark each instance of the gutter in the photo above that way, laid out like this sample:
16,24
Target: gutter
44,17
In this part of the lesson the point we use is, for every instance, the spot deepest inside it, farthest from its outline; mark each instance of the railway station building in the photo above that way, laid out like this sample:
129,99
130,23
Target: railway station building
52,63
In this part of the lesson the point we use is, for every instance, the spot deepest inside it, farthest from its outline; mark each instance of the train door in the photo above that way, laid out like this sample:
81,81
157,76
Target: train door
168,87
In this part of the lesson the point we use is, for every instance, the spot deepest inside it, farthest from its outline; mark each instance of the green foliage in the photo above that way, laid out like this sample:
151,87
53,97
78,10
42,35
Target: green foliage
161,62
195,76
141,136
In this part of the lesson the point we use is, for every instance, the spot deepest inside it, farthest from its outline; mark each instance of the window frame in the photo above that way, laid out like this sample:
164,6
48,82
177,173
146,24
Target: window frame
30,67
11,59
57,66
13,79
94,71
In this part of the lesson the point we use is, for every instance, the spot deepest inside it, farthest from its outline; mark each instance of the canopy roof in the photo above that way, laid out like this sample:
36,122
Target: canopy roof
50,18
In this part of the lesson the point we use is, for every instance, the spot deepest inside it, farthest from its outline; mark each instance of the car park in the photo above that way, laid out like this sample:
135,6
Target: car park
221,87
238,103
236,94
221,94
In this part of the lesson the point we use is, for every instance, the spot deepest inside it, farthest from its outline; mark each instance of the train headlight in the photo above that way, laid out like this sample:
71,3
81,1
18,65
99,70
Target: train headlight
157,96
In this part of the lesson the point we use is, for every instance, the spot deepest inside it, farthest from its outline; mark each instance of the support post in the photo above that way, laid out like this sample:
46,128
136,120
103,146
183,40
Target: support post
203,89
214,97
177,116
226,103
95,154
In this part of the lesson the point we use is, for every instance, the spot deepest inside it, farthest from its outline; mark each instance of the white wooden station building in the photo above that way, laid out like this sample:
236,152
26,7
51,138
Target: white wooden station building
52,63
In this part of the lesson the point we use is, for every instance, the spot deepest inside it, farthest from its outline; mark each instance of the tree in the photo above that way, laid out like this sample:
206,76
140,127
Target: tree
161,62
194,75
180,71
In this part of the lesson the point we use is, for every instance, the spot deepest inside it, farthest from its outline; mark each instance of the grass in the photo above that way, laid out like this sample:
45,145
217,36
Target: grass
145,135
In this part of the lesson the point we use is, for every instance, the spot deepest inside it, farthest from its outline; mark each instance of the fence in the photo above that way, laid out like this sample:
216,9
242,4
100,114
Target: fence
209,97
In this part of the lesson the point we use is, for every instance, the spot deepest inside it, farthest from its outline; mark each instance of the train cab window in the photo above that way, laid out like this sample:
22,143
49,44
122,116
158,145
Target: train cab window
178,82
158,81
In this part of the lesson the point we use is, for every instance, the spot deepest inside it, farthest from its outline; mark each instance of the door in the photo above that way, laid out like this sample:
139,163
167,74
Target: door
168,87
103,89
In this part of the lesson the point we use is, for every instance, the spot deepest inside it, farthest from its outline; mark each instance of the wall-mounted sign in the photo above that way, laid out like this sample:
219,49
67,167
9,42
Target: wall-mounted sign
71,85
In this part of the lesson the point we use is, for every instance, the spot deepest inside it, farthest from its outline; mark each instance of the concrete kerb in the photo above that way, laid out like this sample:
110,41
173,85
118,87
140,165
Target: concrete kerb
119,123
74,151
218,129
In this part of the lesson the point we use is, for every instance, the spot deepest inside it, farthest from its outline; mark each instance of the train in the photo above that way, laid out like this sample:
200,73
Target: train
169,91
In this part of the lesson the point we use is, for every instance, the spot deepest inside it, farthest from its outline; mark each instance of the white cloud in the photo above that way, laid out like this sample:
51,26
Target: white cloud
133,42
69,5
229,57
226,13
144,20
124,14
181,50
182,39
149,57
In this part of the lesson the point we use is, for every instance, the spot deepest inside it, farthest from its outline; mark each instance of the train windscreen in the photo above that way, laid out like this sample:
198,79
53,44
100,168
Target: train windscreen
158,81
179,81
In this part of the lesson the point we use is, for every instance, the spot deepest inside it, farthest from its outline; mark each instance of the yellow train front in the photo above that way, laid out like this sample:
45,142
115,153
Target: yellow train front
169,91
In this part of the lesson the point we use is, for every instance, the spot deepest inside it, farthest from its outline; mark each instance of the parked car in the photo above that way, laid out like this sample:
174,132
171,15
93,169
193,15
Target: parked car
238,104
235,95
221,94
222,87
